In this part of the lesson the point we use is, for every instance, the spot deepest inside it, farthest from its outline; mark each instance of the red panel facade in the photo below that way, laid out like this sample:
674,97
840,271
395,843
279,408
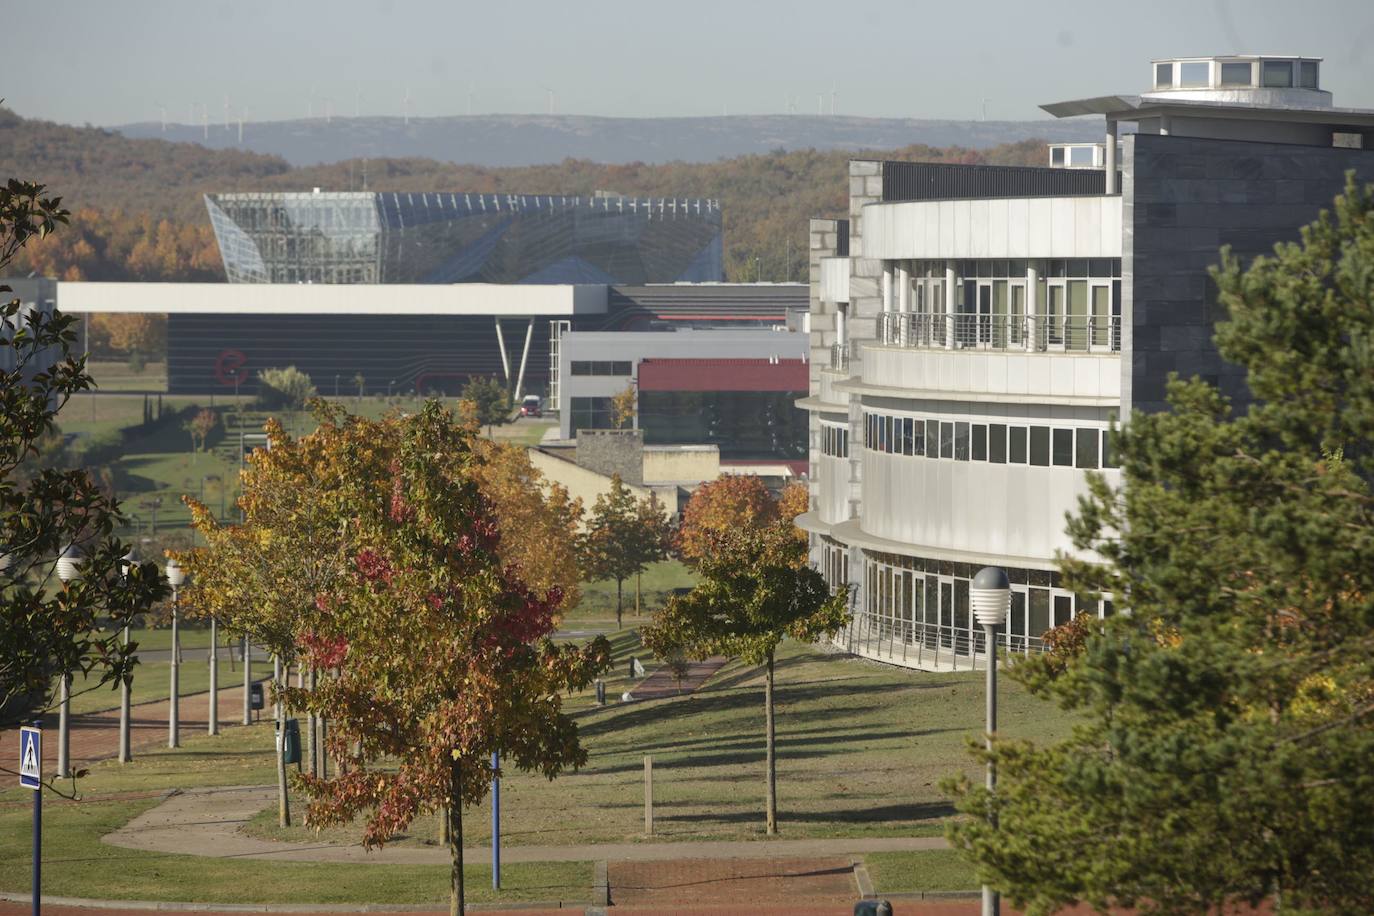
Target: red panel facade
723,375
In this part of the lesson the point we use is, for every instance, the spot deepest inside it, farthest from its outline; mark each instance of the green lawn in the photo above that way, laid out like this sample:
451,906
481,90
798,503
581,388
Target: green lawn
927,870
862,748
76,863
116,375
153,681
597,606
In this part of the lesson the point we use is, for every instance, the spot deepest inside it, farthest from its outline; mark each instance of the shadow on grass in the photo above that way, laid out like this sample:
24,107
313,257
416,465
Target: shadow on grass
877,814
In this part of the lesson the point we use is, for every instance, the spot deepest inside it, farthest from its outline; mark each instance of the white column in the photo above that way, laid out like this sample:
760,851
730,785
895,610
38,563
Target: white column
524,356
903,299
950,295
1032,288
1110,156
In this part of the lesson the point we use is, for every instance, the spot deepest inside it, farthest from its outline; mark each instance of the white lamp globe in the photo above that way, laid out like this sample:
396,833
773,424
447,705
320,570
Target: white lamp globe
175,574
990,595
127,563
69,563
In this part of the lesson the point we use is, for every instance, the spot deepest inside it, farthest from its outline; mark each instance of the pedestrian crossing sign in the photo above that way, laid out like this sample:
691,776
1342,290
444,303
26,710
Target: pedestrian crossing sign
31,757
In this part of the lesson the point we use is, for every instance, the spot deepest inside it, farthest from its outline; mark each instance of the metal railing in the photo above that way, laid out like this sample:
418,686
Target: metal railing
839,356
1033,333
918,644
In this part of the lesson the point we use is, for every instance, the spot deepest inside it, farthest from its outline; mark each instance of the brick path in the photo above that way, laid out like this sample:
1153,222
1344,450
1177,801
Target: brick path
662,683
697,882
95,736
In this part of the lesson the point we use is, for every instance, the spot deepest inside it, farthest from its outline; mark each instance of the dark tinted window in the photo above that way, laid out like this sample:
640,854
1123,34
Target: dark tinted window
946,440
1040,446
961,441
1108,452
1085,453
1063,448
980,442
907,435
918,445
997,443
1016,447
932,439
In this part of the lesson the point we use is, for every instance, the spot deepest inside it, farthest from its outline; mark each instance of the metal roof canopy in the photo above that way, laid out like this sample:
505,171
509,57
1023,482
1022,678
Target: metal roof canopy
1135,108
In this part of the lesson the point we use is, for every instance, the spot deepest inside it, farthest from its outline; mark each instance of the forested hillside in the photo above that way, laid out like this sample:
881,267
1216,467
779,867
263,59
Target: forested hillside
138,213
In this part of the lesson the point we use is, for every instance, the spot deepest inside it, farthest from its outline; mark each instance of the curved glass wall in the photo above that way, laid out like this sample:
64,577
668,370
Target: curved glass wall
365,237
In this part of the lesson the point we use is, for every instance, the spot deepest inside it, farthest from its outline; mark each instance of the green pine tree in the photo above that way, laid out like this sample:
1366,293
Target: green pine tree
1226,725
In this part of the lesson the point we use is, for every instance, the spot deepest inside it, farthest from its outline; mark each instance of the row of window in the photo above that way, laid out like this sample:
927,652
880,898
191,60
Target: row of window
998,268
835,441
1274,74
601,367
996,443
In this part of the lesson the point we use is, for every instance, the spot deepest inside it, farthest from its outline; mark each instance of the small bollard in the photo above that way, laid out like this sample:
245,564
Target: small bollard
600,692
648,795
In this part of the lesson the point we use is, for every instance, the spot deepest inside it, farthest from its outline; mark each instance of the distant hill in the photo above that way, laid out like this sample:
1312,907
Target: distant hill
516,140
139,212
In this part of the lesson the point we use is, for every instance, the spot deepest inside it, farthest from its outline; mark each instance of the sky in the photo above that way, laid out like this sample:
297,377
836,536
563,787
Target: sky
110,63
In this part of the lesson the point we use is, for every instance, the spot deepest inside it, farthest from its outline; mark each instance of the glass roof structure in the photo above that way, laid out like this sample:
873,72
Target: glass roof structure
368,237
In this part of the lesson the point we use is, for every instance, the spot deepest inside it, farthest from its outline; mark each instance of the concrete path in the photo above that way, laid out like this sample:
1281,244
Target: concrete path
662,683
207,822
95,736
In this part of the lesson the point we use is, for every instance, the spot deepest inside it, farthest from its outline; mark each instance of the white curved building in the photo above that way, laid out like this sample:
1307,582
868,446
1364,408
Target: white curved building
976,329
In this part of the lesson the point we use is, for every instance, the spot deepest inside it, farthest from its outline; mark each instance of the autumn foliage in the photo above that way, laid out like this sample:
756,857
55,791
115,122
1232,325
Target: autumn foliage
732,504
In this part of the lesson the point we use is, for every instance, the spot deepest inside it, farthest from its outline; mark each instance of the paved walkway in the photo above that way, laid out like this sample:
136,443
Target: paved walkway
207,822
662,683
95,736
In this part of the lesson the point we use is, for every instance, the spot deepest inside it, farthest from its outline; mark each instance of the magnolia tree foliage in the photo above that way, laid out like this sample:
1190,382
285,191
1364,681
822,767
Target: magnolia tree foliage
1226,723
755,589
47,629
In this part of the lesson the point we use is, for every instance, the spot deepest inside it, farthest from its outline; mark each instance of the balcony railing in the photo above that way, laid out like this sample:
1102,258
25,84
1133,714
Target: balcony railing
921,644
839,356
1033,333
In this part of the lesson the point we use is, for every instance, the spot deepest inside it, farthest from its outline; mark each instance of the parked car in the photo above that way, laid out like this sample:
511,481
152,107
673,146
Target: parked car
532,406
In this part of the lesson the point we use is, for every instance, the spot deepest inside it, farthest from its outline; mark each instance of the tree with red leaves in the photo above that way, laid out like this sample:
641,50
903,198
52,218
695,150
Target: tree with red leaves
443,655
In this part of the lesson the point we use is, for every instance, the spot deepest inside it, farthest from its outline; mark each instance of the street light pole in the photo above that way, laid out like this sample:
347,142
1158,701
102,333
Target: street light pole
175,577
125,687
213,727
990,595
69,571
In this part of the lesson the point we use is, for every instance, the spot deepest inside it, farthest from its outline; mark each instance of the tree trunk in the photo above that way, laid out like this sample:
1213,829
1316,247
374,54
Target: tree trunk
443,826
619,584
311,750
638,577
772,813
457,898
283,800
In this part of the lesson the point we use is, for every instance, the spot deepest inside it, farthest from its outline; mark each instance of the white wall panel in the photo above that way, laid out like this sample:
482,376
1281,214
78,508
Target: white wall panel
833,505
1038,227
991,372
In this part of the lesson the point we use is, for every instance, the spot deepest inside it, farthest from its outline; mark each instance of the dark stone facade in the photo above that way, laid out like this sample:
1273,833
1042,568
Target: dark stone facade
1183,200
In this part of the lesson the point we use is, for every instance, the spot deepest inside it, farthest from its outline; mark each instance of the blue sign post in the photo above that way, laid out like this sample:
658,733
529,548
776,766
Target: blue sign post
495,823
31,777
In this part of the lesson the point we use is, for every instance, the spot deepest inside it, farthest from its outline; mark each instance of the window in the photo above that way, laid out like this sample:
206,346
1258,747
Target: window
1063,448
884,431
1164,76
1085,455
908,437
980,442
1056,155
1236,75
1063,610
961,441
1307,74
591,413
1040,446
1277,74
932,439
1081,156
1194,74
1017,446
1039,611
1108,451
918,437
946,440
997,443
600,367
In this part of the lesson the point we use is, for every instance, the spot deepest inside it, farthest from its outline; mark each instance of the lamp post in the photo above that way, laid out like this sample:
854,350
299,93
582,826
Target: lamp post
126,566
213,727
990,595
69,571
175,577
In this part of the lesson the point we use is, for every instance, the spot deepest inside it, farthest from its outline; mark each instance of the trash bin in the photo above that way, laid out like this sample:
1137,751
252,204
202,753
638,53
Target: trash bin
291,743
255,700
872,908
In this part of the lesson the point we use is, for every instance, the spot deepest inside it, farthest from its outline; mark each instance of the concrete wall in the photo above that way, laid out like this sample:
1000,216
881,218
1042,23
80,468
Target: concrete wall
1004,375
1183,199
586,485
612,451
686,465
